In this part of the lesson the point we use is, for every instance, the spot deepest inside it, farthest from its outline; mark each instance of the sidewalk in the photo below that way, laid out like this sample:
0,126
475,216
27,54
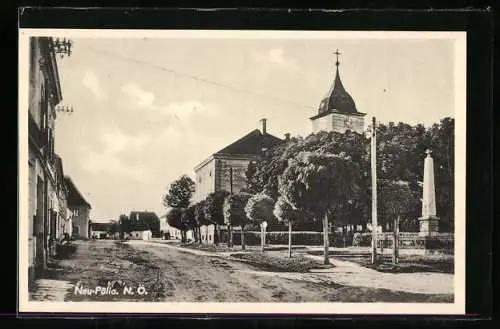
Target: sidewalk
349,274
50,290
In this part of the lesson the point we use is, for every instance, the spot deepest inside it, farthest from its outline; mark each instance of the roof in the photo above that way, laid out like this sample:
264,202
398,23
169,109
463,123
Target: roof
142,214
251,144
75,198
100,226
337,99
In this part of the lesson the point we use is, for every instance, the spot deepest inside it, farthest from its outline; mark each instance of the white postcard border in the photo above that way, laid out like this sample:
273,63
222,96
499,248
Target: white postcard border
458,307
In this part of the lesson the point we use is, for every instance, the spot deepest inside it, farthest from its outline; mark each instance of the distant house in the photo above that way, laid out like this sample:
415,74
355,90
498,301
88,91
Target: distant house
80,209
139,232
147,218
100,230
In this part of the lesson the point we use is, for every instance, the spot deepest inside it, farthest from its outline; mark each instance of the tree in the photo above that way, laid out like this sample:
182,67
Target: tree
234,214
395,198
113,227
199,217
188,221
285,212
124,225
174,218
180,193
214,212
322,184
259,208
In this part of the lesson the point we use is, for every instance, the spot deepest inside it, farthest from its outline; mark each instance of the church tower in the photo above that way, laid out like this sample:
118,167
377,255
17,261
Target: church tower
337,111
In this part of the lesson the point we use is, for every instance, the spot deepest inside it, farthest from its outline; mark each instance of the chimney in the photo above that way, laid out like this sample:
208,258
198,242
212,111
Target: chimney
264,131
287,136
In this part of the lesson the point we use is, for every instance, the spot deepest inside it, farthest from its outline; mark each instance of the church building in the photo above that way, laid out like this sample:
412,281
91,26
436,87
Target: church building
226,169
337,111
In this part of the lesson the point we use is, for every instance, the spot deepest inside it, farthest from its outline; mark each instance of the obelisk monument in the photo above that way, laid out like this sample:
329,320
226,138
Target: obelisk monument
429,222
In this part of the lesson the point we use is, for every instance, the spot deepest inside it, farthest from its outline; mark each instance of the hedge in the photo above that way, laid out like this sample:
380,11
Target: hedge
252,238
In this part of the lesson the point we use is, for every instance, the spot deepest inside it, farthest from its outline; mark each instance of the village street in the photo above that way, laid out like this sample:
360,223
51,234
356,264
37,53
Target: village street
172,274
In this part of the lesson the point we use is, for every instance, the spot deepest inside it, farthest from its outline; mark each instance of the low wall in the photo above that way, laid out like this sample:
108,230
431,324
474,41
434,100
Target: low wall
305,238
409,243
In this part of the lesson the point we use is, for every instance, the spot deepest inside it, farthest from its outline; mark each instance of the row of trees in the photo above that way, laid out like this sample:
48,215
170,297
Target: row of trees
325,178
400,152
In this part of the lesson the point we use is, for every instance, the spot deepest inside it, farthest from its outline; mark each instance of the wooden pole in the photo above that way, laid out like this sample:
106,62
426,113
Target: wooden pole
261,238
325,239
374,190
396,241
289,239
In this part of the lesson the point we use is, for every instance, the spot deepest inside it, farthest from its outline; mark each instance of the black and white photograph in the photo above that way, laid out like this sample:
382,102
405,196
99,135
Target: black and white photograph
195,171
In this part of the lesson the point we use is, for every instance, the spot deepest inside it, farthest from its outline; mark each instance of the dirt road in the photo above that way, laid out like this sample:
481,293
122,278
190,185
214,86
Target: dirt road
176,276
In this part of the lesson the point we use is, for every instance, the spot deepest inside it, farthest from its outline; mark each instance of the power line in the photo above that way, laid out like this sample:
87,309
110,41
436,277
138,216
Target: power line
198,78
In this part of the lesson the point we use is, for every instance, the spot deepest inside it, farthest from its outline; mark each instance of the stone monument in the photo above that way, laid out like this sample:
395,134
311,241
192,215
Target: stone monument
429,222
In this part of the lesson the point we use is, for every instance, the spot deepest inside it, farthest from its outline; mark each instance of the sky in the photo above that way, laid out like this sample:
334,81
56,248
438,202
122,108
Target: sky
146,111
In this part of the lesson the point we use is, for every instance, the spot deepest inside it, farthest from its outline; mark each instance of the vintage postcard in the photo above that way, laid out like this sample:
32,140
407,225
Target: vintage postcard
197,171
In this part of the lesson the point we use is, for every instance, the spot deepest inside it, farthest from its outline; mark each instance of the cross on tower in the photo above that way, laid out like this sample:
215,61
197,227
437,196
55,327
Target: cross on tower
337,52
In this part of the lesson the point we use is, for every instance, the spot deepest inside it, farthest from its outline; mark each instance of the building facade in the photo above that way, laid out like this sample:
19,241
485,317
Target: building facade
101,230
64,223
337,110
226,169
43,208
80,209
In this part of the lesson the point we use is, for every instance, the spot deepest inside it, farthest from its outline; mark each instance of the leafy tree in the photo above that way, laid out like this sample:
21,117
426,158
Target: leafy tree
124,225
188,221
322,184
199,217
285,212
213,210
234,214
113,227
180,193
259,208
174,219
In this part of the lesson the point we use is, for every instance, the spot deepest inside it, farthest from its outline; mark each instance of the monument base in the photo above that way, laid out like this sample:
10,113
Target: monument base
429,226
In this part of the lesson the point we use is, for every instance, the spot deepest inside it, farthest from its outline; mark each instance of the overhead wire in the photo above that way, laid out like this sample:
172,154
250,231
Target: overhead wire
198,78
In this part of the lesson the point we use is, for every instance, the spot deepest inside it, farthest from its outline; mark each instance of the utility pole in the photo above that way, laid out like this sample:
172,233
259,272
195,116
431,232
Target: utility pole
374,190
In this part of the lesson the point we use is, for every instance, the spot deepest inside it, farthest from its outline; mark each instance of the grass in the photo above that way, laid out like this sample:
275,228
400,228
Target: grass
266,262
407,263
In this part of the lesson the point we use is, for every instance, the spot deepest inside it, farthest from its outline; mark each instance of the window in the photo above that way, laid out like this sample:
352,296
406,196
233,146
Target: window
210,173
75,213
